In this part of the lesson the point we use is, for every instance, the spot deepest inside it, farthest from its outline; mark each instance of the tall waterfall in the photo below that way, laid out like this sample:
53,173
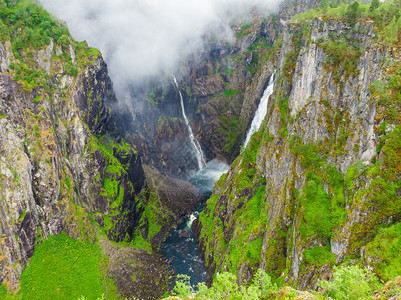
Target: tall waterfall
195,143
261,111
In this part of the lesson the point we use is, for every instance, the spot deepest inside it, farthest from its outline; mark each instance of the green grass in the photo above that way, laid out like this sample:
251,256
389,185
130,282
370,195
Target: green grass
61,268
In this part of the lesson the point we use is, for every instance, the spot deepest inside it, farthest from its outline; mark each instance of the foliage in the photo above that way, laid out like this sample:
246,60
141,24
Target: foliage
317,206
351,15
30,28
292,56
350,282
29,25
340,54
319,256
229,129
182,286
385,250
226,287
231,92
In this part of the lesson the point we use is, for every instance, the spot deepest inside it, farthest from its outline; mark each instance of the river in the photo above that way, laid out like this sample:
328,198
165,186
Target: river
181,246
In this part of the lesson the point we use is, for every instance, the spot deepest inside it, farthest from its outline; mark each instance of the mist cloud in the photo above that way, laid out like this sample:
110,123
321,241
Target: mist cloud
140,38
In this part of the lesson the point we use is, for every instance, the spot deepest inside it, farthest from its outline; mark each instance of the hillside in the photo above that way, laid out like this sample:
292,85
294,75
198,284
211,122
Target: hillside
318,185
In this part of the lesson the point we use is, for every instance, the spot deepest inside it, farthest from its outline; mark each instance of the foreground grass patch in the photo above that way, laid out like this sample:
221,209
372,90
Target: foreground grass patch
62,268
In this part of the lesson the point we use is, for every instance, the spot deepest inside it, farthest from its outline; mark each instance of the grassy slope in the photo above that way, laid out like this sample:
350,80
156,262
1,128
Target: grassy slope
62,268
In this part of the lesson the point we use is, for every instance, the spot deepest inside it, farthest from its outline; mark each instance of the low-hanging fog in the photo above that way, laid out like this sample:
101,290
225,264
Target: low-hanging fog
140,38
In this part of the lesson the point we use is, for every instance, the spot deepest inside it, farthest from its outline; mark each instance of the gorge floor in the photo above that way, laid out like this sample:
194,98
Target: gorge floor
181,246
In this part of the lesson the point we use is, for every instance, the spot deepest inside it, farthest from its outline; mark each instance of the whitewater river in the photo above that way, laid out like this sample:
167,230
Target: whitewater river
181,247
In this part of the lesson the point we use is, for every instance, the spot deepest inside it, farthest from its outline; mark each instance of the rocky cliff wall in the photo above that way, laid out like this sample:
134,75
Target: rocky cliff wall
308,192
52,173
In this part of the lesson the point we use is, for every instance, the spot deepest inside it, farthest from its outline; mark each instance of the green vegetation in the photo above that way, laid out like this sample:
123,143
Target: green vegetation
328,192
228,127
226,287
62,268
341,57
248,220
292,55
29,25
110,182
244,30
319,256
231,92
351,283
385,250
157,95
317,207
384,15
29,28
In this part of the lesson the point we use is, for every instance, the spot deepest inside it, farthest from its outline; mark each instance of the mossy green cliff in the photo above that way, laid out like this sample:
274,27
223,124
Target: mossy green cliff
319,184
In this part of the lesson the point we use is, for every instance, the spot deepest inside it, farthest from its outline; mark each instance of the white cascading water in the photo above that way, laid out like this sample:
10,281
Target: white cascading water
261,111
195,143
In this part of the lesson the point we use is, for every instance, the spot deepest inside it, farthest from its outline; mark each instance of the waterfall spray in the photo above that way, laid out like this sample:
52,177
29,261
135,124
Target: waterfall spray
261,111
195,143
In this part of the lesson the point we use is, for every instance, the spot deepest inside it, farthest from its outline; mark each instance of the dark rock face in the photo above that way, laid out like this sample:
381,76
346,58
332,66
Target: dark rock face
53,168
155,126
175,198
134,169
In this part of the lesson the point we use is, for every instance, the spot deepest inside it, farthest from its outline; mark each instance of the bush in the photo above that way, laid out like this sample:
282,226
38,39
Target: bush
350,282
385,250
70,69
225,286
352,12
182,286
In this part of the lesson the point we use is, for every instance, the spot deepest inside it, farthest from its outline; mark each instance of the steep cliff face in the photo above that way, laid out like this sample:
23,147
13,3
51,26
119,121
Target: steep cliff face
62,165
319,180
46,165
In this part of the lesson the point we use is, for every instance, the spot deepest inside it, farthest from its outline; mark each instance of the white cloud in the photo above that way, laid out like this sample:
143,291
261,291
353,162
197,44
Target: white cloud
140,38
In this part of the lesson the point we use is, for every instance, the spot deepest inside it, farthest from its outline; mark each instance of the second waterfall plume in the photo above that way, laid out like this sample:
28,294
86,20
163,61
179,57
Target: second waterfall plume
261,111
195,143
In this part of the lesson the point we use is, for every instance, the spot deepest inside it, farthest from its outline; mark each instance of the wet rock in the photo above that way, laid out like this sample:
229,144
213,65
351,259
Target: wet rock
175,198
183,233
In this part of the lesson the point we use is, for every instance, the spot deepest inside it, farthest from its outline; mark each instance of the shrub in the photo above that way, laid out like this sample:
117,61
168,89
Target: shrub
182,286
225,286
350,282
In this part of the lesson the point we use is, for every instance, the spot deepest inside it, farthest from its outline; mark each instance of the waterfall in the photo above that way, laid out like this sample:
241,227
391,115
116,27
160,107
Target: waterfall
195,143
261,111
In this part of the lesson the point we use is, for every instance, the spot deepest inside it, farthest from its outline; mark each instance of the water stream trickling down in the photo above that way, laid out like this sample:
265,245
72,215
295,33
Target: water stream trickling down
261,111
181,247
195,143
